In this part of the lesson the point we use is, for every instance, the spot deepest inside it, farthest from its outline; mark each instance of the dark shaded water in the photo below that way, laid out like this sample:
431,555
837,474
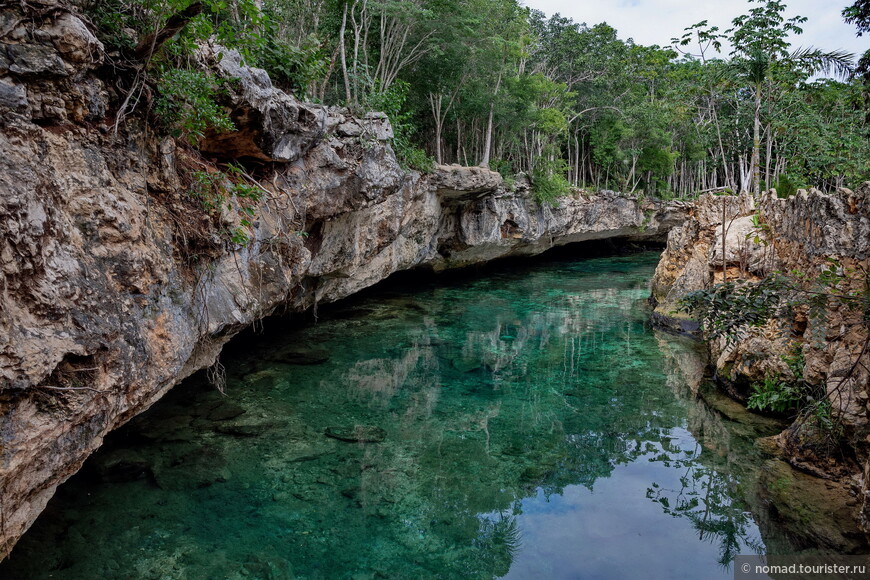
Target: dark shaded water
526,424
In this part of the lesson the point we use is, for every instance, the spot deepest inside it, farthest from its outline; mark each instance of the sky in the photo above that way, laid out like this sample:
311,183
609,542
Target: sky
657,21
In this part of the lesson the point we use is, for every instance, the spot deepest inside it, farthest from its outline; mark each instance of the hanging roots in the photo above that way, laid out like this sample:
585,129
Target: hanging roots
217,376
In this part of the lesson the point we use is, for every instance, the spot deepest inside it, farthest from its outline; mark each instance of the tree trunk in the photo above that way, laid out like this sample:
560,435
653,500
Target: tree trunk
152,42
756,143
767,159
488,142
343,55
438,117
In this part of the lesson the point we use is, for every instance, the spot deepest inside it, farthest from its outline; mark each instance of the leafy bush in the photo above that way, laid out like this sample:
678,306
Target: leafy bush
504,166
113,21
392,102
777,395
729,310
187,104
291,66
548,180
787,185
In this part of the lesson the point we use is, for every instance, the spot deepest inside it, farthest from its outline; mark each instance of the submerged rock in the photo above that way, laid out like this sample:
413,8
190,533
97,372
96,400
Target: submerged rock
191,467
247,429
225,411
467,365
177,428
301,356
357,434
122,465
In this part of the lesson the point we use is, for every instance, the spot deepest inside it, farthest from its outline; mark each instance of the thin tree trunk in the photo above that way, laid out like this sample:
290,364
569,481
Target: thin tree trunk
756,143
488,143
438,117
321,91
343,55
767,159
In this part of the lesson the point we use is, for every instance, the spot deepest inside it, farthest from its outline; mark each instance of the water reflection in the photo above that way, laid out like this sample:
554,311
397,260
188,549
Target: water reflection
524,424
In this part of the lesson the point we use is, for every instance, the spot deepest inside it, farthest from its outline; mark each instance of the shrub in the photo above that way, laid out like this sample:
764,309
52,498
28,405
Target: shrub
392,102
787,185
291,66
777,395
187,104
548,180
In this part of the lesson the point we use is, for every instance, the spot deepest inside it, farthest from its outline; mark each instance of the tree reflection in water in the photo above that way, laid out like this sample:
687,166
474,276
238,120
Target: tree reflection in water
477,406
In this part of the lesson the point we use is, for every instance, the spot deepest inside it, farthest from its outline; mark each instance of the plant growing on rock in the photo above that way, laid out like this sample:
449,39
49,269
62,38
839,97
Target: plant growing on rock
730,310
548,181
218,192
781,394
188,106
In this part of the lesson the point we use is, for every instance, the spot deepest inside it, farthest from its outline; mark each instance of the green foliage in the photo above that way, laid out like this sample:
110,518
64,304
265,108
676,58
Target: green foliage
781,394
503,166
659,162
216,191
291,65
729,310
859,15
240,236
208,189
548,181
776,395
392,102
187,104
787,185
114,22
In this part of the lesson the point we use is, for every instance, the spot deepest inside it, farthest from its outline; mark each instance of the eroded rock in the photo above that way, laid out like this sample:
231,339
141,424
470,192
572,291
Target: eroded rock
803,236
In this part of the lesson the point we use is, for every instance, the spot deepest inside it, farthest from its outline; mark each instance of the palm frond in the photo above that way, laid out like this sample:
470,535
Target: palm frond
815,61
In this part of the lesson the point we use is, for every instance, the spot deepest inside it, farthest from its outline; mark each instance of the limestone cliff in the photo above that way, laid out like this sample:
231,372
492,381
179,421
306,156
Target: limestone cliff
117,280
804,237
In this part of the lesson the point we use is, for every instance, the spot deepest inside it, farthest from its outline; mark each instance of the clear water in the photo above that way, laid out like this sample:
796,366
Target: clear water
522,424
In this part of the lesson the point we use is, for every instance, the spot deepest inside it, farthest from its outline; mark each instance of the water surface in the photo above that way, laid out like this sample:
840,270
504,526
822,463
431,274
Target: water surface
523,424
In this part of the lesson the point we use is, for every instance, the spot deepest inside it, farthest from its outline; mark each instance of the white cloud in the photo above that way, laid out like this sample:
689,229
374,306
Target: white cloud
657,21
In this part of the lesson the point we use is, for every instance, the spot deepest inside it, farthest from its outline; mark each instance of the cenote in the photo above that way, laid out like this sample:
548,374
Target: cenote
524,423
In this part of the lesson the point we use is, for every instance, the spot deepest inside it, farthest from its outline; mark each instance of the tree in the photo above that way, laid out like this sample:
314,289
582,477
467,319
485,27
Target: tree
859,15
760,54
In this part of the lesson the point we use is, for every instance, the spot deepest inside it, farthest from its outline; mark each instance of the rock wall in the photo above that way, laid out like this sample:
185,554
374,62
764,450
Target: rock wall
802,237
116,282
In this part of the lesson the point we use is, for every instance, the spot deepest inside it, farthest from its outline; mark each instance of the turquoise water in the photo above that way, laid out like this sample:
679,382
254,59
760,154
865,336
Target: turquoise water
522,424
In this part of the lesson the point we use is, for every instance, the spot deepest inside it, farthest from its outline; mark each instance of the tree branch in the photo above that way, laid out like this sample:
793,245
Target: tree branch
152,42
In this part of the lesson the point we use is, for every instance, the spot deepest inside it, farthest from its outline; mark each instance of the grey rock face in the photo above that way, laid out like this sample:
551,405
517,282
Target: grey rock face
13,96
32,60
